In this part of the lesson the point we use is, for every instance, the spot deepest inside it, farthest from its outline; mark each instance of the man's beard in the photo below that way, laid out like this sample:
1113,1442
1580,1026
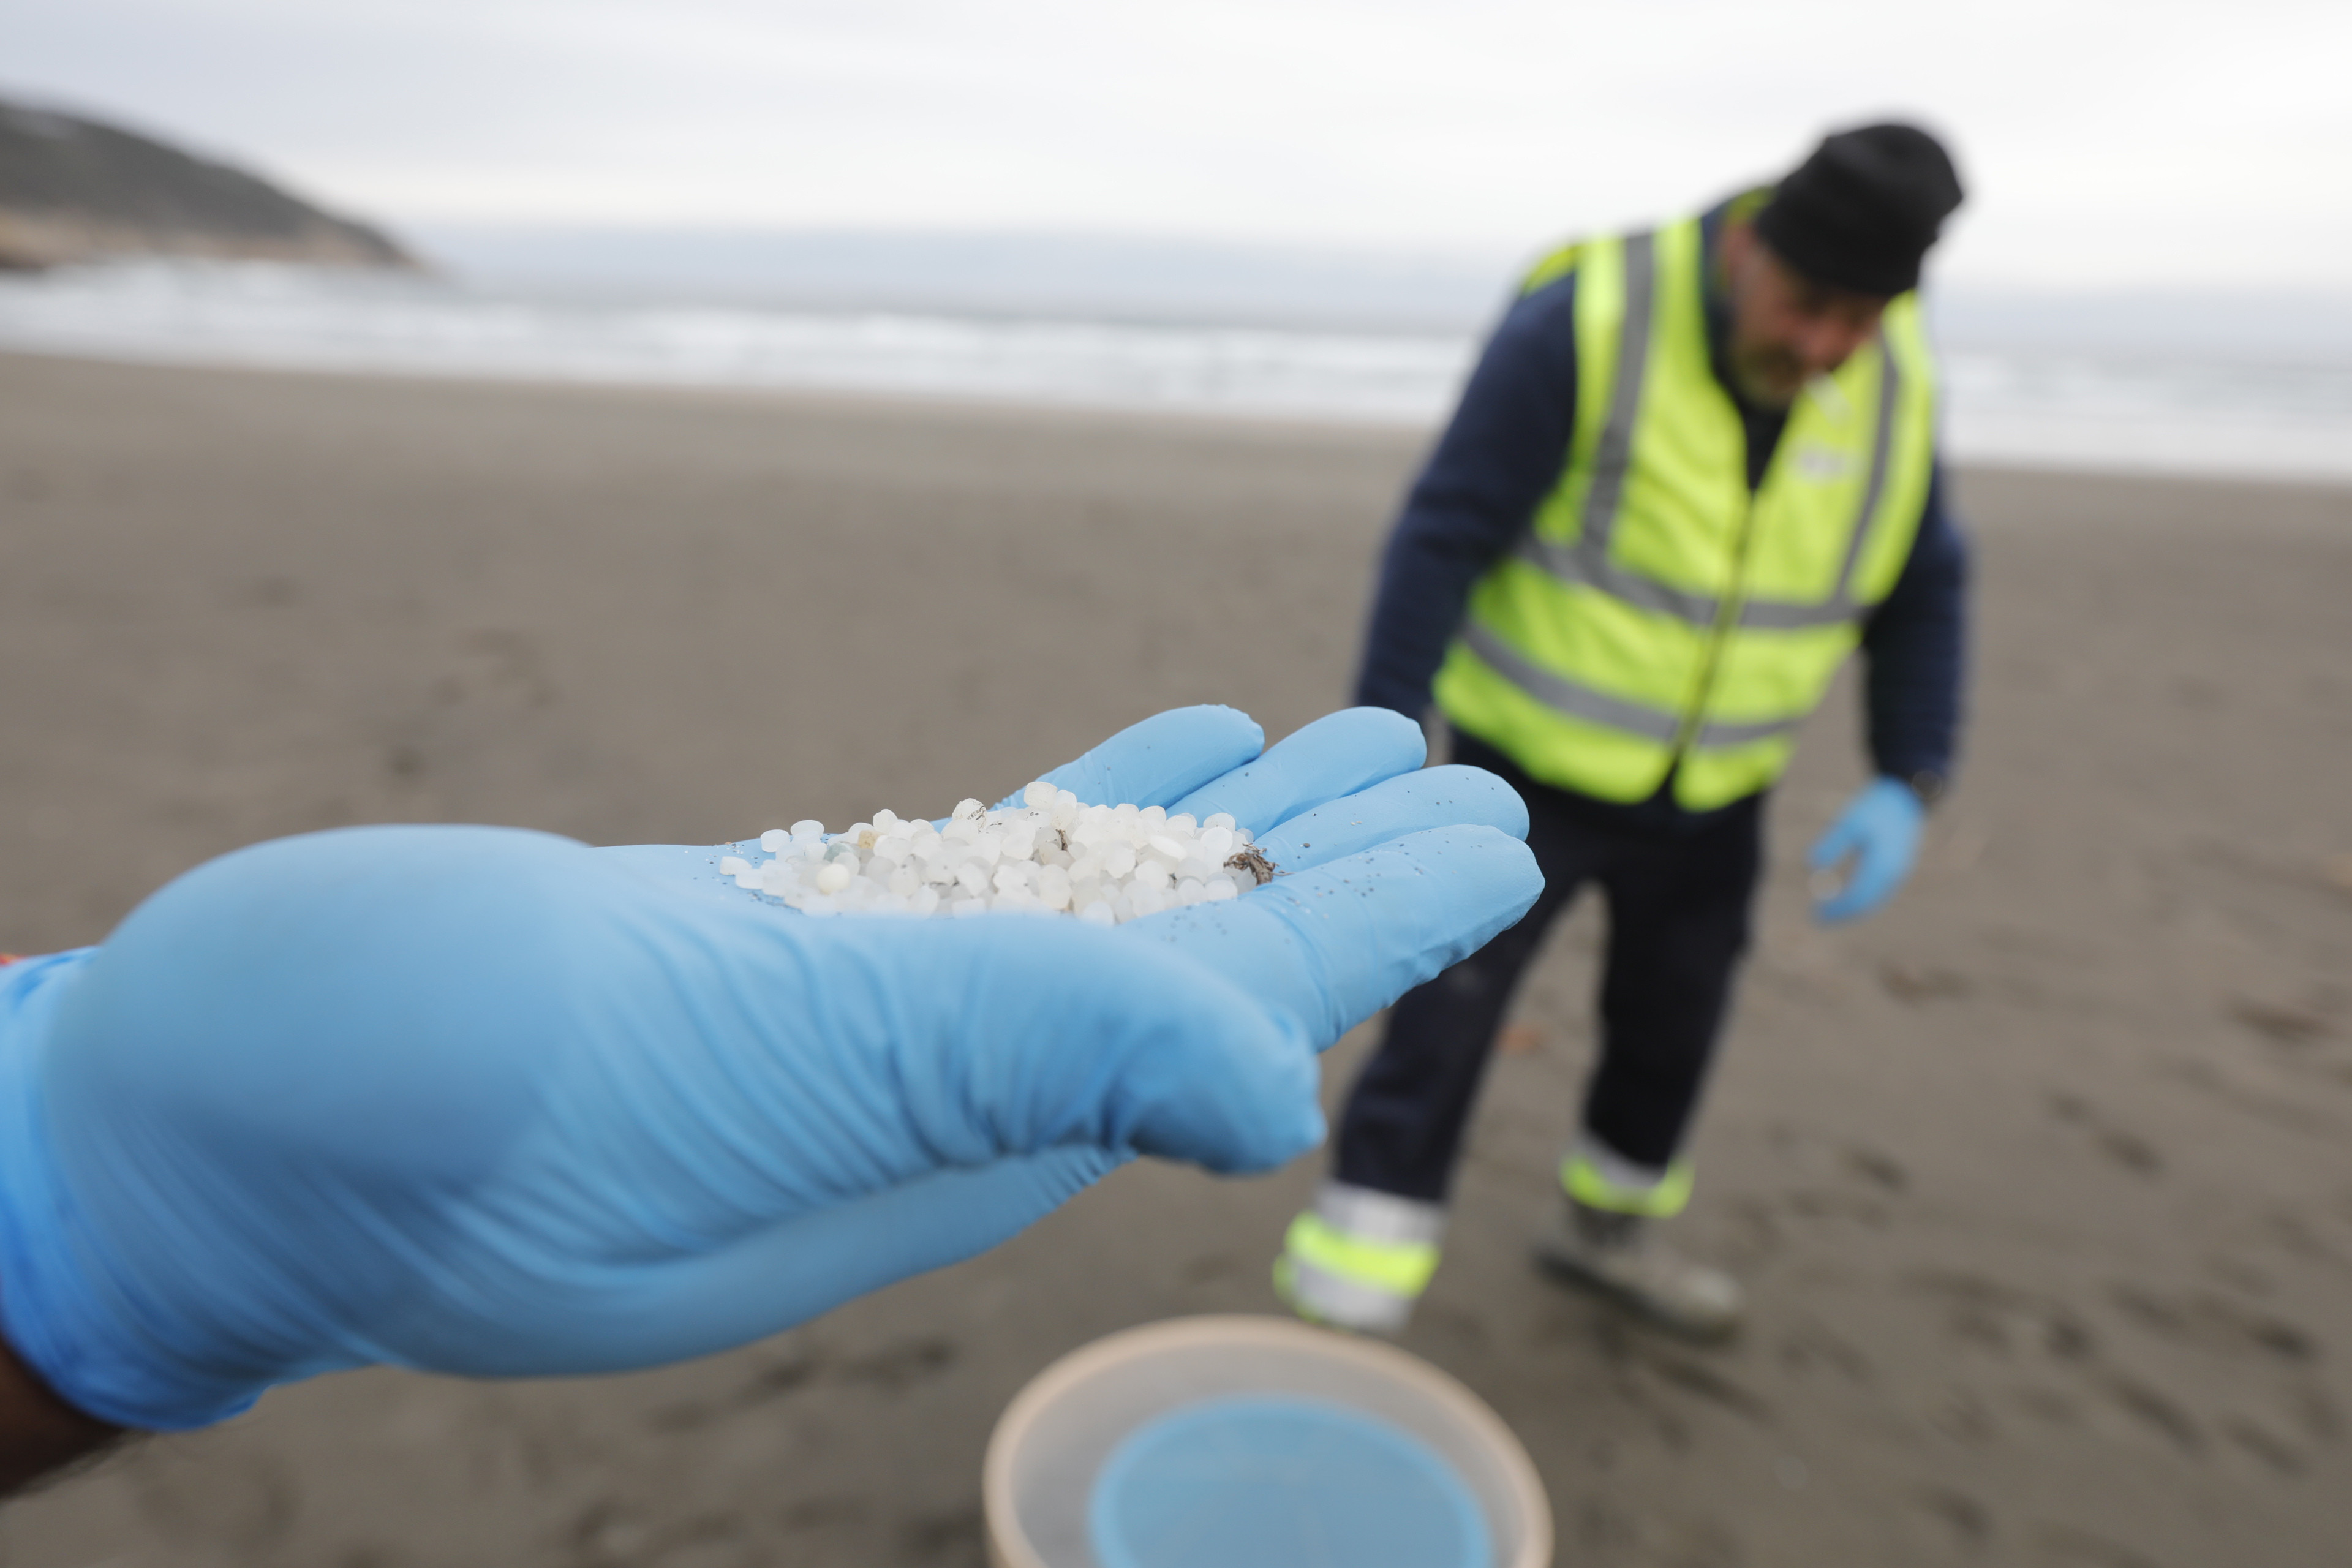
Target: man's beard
1767,377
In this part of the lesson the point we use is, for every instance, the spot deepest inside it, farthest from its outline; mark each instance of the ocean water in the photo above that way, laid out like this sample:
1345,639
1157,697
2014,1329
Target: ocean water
2020,388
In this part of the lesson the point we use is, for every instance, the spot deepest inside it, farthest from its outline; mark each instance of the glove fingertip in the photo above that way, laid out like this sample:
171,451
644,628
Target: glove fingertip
1519,860
1492,801
1161,758
1240,720
1214,725
1308,1136
1387,731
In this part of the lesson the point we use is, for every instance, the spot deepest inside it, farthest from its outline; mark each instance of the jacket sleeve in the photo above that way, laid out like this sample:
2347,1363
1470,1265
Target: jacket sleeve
1916,646
1499,458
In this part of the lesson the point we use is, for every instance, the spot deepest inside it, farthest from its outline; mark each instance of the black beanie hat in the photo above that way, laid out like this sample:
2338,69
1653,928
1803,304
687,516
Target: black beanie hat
1861,212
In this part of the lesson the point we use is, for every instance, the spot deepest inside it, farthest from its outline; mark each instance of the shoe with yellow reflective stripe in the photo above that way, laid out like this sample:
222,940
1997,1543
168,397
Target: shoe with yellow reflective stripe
1620,1257
1605,1240
1597,1176
1360,1258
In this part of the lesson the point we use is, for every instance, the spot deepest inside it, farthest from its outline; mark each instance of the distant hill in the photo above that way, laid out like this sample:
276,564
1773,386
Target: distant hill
74,190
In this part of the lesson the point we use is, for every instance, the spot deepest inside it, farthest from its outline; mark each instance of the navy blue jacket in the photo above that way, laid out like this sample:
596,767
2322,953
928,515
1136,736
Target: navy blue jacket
1504,453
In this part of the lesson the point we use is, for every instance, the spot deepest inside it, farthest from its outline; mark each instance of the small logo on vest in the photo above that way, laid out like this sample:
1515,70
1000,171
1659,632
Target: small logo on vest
1824,464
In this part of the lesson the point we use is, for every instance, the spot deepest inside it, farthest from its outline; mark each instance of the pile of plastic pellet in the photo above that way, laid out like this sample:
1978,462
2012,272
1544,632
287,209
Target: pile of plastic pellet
1106,864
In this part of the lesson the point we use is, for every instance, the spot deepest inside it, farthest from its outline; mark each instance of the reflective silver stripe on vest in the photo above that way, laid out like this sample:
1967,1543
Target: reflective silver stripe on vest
1613,455
1578,700
1565,696
1580,566
1882,447
1723,732
1587,563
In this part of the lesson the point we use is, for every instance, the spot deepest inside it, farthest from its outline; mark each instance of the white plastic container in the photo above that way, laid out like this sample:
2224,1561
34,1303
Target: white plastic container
1051,1443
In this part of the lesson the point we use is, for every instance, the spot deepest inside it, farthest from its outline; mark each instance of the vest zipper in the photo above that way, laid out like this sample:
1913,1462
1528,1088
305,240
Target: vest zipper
1727,617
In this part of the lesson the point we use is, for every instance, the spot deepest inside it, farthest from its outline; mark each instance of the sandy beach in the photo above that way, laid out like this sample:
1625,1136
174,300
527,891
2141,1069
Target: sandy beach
2042,1181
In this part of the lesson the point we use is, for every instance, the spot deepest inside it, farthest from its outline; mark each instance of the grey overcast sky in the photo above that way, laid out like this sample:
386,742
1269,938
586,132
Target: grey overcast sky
2137,144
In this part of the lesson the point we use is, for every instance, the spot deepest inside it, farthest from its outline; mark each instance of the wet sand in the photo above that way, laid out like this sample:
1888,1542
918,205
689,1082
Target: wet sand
2042,1181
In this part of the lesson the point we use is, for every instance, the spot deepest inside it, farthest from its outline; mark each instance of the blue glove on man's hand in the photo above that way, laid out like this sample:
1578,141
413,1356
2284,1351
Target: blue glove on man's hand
1879,829
492,1102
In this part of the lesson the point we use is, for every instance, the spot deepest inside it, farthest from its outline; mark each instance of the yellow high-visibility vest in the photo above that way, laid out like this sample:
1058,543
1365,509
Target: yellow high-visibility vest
1659,617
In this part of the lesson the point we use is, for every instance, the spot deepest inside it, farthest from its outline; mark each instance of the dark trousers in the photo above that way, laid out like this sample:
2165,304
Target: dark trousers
1679,887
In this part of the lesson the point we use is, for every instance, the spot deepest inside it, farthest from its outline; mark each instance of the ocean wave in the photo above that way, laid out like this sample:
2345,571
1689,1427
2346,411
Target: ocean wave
2011,404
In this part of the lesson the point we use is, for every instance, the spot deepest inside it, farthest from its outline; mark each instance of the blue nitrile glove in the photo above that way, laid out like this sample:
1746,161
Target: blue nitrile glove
1880,830
493,1102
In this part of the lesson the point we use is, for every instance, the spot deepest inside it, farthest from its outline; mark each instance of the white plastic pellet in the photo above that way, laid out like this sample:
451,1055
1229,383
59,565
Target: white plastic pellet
1045,852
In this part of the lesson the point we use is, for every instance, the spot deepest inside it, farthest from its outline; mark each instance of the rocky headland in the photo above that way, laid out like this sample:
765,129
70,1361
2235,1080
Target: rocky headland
74,190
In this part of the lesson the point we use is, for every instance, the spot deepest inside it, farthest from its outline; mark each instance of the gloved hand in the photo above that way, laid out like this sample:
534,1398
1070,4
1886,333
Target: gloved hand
1879,830
492,1102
